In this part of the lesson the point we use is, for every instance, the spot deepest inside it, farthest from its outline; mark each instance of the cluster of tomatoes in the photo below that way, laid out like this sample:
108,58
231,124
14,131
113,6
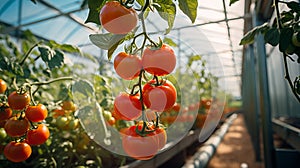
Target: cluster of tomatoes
154,95
23,123
143,140
64,116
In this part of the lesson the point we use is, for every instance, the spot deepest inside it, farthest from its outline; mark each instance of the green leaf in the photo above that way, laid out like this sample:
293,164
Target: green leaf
232,2
57,60
84,87
53,58
194,58
295,6
64,47
286,16
189,8
106,41
249,36
167,11
111,50
94,10
170,42
285,38
272,36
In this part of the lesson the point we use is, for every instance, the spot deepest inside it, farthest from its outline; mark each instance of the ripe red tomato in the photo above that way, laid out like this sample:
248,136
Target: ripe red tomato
36,113
3,86
111,121
18,101
161,136
159,98
117,19
5,113
15,127
127,107
39,135
139,147
127,66
159,62
176,107
17,151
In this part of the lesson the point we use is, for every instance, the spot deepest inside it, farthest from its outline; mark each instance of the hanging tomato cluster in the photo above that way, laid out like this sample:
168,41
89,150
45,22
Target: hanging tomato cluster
22,122
143,140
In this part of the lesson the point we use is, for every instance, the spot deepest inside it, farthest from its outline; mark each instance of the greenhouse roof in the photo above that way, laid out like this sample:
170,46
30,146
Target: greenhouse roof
220,28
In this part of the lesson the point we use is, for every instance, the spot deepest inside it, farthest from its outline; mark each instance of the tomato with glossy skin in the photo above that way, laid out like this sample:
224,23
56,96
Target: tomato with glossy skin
36,113
139,147
3,86
161,97
39,135
127,107
62,122
17,151
117,19
111,121
18,101
161,136
127,66
15,127
176,107
73,124
160,61
5,113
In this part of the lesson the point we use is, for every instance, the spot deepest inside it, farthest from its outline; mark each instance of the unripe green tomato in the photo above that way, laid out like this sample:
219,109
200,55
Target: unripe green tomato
73,124
107,114
3,134
62,121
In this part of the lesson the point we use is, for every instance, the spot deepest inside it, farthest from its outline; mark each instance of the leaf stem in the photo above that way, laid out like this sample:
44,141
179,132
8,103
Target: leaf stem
28,52
52,81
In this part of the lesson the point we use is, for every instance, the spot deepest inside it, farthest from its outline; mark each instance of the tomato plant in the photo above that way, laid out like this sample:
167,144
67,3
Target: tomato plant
39,135
16,127
127,107
118,19
18,101
17,151
160,96
3,86
36,113
159,61
127,66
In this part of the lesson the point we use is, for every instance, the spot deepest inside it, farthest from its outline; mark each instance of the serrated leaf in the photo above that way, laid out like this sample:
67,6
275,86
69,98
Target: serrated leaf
105,41
189,8
272,36
46,53
232,2
167,11
94,10
53,58
295,6
84,87
170,42
57,60
285,38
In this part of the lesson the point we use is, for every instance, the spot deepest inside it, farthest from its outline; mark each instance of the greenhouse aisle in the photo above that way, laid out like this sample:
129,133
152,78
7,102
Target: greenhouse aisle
235,149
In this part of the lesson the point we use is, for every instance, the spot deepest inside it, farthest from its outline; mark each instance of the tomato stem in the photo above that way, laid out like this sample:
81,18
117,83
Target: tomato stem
28,52
52,81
